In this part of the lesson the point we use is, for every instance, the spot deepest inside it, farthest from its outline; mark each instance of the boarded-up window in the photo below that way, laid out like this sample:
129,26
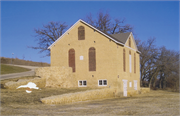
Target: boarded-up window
72,59
129,42
81,33
92,59
124,60
130,67
134,62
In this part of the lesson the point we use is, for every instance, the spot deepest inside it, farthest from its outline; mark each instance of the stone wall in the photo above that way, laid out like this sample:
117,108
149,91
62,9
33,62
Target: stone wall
60,77
13,85
80,96
144,90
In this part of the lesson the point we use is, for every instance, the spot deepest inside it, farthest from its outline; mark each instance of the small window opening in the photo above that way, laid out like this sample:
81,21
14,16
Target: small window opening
82,83
102,82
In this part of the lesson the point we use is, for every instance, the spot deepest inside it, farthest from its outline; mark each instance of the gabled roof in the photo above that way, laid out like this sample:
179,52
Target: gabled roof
117,38
122,37
105,34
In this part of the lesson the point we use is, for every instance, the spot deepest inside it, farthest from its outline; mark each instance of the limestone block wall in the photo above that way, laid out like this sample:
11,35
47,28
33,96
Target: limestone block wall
60,77
144,90
80,96
13,85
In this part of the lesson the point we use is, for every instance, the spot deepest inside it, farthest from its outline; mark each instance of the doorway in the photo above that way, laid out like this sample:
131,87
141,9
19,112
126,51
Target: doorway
125,88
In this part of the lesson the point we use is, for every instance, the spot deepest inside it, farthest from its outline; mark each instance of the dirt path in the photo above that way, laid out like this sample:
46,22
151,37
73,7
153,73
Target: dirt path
153,103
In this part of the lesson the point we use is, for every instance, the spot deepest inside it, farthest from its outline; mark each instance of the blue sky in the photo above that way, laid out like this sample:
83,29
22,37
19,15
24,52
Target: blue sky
149,19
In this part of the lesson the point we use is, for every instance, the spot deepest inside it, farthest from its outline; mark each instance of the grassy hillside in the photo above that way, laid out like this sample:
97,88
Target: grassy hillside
7,69
18,61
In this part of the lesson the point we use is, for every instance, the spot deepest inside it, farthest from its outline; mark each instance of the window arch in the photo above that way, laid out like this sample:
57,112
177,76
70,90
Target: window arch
92,59
124,60
81,33
72,59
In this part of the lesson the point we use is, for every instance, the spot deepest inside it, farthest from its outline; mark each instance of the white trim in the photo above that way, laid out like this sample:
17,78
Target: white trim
129,48
132,49
88,25
128,37
134,43
102,82
82,83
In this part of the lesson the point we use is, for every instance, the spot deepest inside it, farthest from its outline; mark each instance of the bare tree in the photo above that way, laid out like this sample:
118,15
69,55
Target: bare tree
53,30
158,66
106,24
47,35
148,57
169,65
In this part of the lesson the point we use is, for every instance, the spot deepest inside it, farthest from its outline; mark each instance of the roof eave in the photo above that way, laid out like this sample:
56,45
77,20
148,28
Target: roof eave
89,26
63,34
138,52
102,33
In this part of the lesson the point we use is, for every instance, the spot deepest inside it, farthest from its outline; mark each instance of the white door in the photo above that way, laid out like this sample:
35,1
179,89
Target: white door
135,84
124,87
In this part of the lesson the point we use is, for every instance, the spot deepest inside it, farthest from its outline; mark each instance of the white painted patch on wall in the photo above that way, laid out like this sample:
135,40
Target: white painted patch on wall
135,84
29,87
130,84
130,63
81,57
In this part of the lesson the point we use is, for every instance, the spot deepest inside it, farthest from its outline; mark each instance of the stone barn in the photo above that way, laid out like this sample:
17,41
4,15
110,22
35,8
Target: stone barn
98,59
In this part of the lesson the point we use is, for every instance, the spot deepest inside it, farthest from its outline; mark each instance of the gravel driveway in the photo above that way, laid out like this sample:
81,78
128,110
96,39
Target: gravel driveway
15,75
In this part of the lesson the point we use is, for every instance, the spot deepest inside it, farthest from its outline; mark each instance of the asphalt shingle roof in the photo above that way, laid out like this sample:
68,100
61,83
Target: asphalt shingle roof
121,37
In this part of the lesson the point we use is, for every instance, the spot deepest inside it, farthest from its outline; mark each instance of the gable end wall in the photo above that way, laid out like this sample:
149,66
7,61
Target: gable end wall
109,58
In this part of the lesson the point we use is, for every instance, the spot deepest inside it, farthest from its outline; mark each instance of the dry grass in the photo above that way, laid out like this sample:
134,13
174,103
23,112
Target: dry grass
7,69
18,61
15,80
18,102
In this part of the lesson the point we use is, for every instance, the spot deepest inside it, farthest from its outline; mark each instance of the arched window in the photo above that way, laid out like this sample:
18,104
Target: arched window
92,59
81,33
72,59
134,62
124,60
